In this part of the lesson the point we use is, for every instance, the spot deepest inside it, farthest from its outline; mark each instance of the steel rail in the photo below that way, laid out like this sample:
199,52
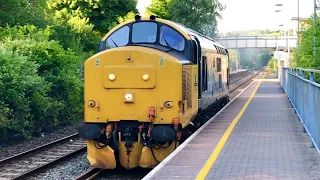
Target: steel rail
34,161
90,174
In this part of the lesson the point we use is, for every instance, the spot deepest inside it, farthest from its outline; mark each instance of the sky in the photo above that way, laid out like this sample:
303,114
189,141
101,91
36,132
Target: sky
255,14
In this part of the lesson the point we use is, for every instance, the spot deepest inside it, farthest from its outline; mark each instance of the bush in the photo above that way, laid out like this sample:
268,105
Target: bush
272,65
24,102
40,82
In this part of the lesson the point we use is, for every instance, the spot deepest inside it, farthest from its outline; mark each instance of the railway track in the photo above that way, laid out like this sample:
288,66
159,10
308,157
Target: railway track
90,174
35,160
236,80
240,78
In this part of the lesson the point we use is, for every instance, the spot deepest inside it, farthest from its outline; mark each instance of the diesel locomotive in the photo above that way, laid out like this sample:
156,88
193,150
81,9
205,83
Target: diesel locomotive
150,81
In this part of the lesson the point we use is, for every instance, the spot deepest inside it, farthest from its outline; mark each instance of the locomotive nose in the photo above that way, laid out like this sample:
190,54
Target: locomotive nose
119,90
119,77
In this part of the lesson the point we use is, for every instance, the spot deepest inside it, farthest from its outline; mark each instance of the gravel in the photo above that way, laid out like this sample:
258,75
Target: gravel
68,169
7,151
77,165
121,174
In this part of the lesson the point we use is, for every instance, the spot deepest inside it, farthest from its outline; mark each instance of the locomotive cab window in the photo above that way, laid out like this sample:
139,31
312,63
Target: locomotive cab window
144,32
171,38
218,64
118,38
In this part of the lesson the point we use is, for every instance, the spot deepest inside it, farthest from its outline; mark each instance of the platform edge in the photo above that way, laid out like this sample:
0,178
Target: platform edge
166,160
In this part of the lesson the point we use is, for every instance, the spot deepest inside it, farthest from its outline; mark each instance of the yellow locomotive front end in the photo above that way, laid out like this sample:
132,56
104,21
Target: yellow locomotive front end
136,104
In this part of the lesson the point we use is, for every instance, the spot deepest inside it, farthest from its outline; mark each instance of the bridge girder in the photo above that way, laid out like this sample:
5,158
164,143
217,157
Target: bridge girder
257,42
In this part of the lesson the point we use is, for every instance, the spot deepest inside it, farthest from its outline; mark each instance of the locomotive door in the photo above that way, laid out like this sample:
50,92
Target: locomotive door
197,60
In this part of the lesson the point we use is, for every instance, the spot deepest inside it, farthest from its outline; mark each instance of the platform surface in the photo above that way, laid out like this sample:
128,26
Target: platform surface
257,136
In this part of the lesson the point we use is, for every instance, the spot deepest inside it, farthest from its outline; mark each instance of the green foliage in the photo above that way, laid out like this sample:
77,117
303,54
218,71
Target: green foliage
72,30
76,36
102,14
160,8
254,58
22,12
40,82
200,15
307,58
128,17
272,65
24,103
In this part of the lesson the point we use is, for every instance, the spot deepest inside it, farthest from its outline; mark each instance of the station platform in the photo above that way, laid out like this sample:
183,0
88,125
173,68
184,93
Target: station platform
257,135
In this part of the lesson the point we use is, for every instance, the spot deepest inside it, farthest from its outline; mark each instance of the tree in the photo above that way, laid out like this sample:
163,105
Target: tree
160,8
128,17
200,15
22,12
40,82
102,14
254,58
257,32
307,58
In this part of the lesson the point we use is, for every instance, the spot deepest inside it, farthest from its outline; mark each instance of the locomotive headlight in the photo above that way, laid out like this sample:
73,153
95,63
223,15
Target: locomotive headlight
128,97
112,77
145,77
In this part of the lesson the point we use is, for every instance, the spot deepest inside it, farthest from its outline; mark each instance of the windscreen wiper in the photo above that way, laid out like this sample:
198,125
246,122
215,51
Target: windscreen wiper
114,42
165,40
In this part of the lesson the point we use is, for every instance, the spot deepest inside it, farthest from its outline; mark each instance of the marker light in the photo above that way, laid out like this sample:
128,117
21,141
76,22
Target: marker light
145,77
112,77
128,97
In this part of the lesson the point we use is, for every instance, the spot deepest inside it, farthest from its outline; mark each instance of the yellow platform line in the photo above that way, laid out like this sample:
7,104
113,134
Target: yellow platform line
206,168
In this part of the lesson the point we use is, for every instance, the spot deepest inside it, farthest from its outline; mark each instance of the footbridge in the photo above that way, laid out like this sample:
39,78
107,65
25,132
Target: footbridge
238,42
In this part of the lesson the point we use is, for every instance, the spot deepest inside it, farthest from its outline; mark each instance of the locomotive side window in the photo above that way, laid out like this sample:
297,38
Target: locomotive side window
118,38
144,32
204,74
218,64
171,38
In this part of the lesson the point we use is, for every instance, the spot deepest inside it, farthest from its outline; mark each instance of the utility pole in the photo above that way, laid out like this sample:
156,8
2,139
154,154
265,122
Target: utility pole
298,31
288,28
314,24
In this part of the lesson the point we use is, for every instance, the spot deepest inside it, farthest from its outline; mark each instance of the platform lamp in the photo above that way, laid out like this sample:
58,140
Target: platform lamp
281,25
288,36
277,11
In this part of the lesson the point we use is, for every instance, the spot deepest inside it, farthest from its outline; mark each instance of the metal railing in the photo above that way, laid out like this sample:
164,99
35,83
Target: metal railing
304,94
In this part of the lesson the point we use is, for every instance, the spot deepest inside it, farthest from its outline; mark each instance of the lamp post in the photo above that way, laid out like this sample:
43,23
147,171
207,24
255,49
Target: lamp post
287,21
